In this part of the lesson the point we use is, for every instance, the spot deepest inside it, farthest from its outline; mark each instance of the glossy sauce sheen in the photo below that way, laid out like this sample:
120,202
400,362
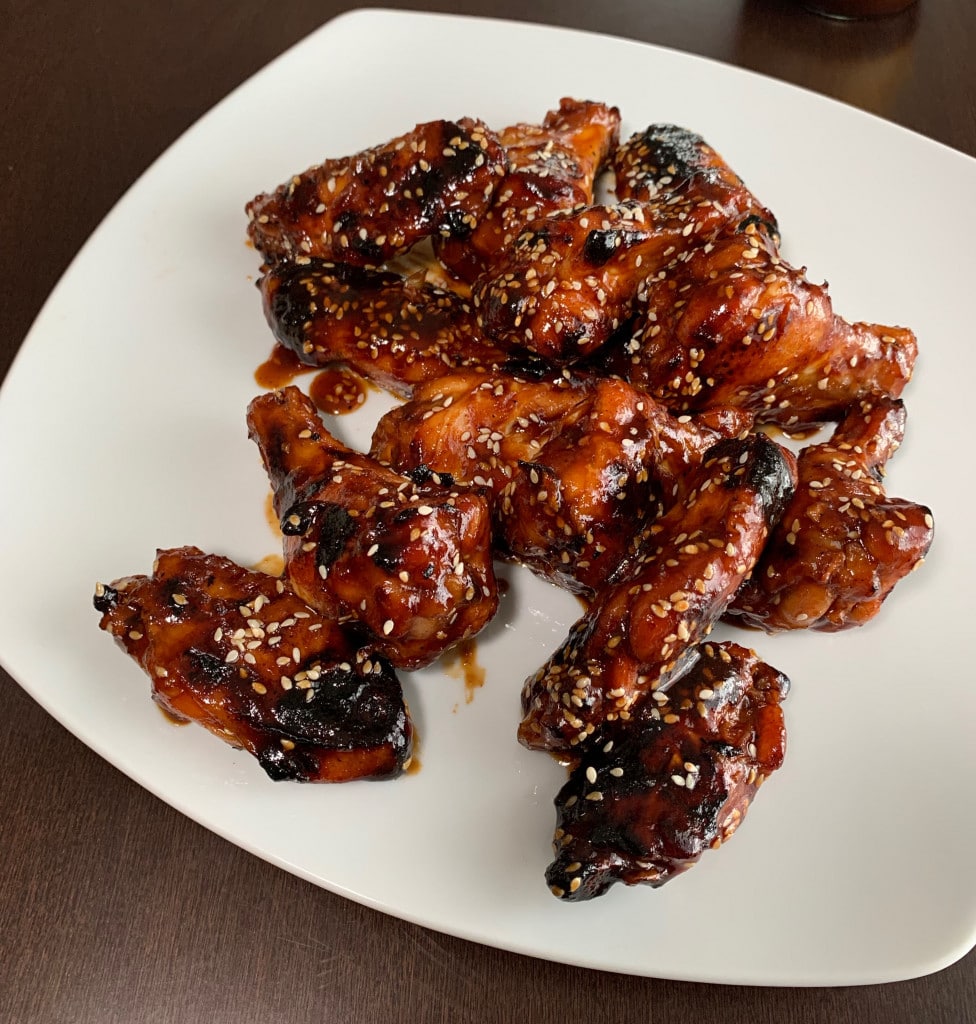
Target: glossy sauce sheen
337,390
280,368
462,663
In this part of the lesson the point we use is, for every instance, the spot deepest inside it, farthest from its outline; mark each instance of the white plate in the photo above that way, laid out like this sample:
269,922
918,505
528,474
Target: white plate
122,429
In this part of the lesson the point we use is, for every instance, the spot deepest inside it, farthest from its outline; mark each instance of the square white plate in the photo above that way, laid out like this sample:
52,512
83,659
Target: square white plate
122,429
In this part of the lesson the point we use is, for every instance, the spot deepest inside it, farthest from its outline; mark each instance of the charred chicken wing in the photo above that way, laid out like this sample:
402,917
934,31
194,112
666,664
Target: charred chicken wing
842,543
676,173
579,465
652,794
570,281
435,180
638,630
396,331
731,323
410,561
552,166
241,654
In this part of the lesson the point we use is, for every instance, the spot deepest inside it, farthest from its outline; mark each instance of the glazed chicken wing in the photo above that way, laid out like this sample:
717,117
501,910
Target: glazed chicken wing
551,167
637,632
652,794
676,173
570,280
435,180
241,654
579,465
731,323
396,331
842,543
409,561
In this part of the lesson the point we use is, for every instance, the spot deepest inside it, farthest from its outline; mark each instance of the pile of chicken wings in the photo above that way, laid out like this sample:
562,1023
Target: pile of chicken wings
593,389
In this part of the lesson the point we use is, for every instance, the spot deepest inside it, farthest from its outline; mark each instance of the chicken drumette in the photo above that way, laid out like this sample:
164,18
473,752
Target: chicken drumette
437,179
570,280
411,562
731,323
842,543
652,794
242,655
580,465
677,174
638,631
396,331
551,167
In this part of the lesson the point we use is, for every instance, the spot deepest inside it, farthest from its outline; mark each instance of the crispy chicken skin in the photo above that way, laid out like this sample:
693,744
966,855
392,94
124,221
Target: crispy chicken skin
551,167
396,331
677,173
579,465
411,562
637,632
652,794
570,280
730,323
842,543
437,179
239,653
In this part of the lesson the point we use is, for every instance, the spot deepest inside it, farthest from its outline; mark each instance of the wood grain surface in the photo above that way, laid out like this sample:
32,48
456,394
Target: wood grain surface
114,907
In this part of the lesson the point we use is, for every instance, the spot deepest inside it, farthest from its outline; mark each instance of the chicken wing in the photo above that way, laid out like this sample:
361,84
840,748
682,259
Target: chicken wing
579,465
239,653
676,173
571,280
396,331
437,179
638,631
731,323
409,561
652,794
552,166
842,543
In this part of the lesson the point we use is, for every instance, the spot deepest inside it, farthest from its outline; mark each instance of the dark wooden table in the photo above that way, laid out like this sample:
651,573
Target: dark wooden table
117,908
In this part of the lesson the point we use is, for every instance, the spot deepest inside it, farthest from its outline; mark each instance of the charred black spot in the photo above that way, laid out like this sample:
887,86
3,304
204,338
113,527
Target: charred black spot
427,571
599,246
293,765
673,151
456,224
297,521
387,557
765,225
105,599
346,709
527,366
405,515
573,335
335,525
770,475
764,467
423,474
367,248
288,311
204,670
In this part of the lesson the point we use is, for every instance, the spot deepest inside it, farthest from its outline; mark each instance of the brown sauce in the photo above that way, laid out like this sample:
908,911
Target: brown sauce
337,390
170,717
462,663
413,766
280,368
